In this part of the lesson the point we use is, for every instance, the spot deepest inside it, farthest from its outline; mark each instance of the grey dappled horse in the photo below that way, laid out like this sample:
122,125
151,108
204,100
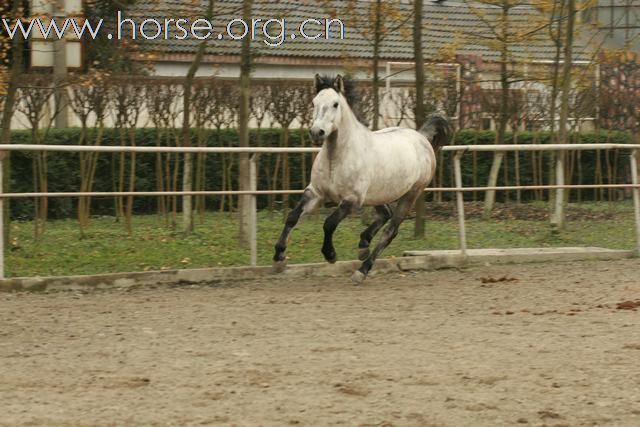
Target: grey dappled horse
357,167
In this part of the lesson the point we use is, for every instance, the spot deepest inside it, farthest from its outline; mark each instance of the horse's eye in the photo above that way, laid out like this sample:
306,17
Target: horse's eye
335,105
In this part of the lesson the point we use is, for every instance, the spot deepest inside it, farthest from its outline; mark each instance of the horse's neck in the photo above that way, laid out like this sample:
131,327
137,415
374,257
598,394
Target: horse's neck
349,137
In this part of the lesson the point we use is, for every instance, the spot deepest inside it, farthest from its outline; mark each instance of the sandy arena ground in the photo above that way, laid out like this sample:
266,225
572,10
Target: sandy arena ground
537,344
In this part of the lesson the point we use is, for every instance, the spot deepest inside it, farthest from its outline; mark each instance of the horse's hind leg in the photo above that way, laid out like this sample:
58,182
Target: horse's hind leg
390,232
307,204
330,225
383,214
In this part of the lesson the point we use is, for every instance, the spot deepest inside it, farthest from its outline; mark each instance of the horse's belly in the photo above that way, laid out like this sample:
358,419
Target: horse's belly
339,192
386,193
390,185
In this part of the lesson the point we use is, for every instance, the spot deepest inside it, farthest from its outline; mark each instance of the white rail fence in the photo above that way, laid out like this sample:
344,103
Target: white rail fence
459,150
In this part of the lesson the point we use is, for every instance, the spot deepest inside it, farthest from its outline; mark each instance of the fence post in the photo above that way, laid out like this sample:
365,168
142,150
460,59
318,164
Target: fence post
557,218
636,195
253,207
460,202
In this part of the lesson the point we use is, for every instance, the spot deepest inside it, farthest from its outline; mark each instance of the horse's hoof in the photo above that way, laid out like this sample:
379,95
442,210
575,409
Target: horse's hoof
279,266
363,253
357,277
331,257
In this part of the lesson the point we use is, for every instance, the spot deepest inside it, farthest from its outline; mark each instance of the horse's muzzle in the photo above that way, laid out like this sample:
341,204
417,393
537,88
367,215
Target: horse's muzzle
317,136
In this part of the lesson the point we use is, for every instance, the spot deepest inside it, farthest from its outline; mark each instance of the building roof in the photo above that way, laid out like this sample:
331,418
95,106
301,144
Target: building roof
448,25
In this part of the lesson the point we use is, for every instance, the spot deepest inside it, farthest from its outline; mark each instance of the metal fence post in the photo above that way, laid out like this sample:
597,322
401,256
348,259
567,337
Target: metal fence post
253,209
460,203
636,195
557,217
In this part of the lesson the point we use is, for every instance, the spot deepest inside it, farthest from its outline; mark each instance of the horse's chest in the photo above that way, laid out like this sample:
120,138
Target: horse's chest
336,182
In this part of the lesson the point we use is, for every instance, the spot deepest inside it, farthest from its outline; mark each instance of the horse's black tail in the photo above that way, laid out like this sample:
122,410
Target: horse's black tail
437,129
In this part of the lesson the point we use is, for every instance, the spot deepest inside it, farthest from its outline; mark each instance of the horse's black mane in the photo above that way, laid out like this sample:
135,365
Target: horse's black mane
350,92
326,82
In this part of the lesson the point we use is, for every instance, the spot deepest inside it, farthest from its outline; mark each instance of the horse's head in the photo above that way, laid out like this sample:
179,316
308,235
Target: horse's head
327,108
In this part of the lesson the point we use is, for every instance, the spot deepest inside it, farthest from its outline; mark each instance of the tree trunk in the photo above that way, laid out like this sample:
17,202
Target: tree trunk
187,175
132,183
303,160
7,114
377,38
88,164
120,179
493,180
162,200
505,177
286,175
517,169
490,195
201,175
418,230
558,217
60,73
82,201
554,90
223,168
474,160
244,202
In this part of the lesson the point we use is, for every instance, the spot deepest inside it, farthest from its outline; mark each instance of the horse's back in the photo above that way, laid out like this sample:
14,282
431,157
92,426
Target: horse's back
386,130
403,143
401,159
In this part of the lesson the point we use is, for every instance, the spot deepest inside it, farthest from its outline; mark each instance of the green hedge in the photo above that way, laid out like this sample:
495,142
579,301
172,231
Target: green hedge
64,167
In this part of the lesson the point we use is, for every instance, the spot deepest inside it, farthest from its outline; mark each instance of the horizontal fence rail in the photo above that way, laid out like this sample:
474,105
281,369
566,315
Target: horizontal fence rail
278,192
458,150
540,147
133,149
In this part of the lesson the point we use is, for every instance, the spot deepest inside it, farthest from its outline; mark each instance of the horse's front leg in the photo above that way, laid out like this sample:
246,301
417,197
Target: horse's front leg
330,225
308,203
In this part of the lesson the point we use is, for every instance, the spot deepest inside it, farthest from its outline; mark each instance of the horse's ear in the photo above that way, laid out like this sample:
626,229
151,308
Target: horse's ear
338,84
318,82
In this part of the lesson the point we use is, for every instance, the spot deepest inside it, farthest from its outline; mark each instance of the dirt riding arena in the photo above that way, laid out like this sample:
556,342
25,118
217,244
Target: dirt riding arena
538,344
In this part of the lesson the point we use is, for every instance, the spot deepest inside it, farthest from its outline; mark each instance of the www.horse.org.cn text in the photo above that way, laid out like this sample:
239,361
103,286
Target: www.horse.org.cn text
271,31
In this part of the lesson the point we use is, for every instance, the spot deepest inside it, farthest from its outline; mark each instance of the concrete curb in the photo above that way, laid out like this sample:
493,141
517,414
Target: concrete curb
528,255
415,260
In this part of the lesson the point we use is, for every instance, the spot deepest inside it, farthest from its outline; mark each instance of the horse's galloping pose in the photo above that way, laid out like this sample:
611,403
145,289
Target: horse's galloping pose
357,167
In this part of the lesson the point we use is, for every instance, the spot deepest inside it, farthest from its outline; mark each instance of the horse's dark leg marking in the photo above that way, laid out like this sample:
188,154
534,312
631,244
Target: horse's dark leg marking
307,203
390,232
383,214
330,225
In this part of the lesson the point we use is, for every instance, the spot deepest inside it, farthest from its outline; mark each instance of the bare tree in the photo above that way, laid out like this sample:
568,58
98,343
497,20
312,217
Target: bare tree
382,19
363,109
89,98
11,68
619,108
260,109
161,98
187,174
36,95
200,119
558,217
501,32
244,202
306,95
128,102
402,101
222,113
283,96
